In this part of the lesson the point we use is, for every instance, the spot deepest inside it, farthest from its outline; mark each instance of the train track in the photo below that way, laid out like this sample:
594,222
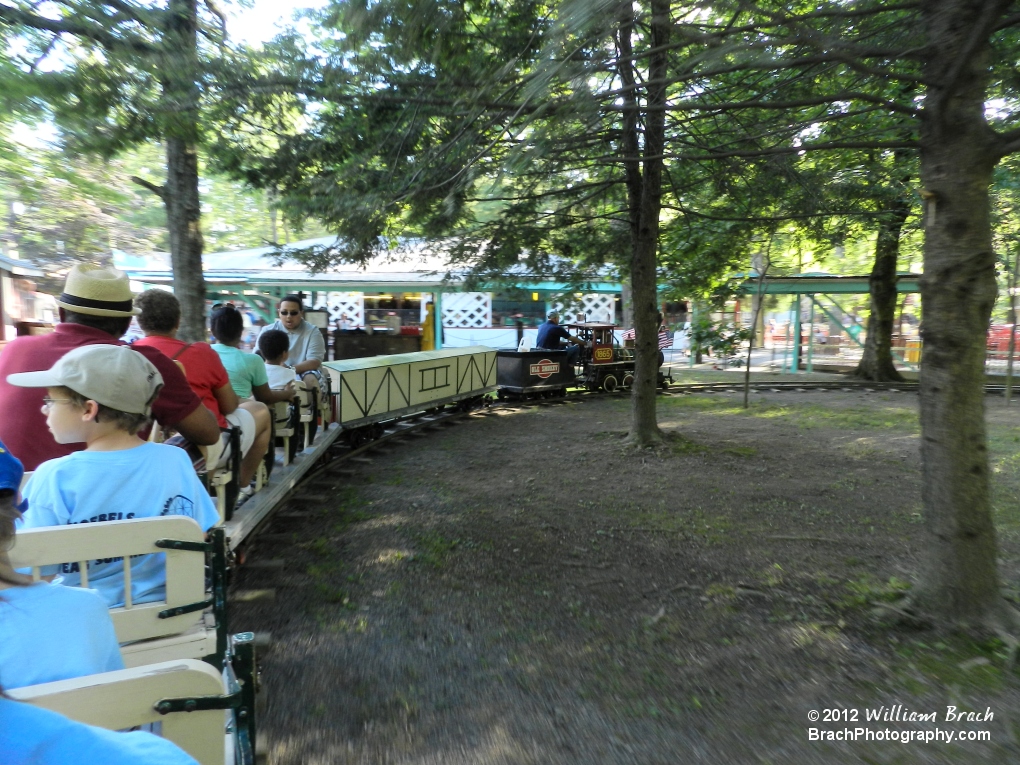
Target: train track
342,457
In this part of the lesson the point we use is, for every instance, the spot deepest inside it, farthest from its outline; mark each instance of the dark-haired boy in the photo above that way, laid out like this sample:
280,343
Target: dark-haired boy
274,346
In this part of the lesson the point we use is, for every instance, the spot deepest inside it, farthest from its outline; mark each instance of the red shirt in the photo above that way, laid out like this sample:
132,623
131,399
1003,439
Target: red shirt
23,425
202,367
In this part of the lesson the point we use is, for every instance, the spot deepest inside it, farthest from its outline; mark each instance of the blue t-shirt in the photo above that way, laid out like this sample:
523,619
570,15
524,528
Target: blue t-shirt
147,481
549,336
50,632
245,370
33,736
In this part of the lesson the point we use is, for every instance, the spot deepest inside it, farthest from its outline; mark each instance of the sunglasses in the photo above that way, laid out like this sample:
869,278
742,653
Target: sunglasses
290,313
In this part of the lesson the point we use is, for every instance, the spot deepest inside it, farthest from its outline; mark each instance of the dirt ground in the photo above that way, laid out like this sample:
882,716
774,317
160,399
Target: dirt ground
524,588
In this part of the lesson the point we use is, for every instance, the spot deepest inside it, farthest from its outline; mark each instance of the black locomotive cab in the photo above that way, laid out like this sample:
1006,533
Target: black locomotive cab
605,365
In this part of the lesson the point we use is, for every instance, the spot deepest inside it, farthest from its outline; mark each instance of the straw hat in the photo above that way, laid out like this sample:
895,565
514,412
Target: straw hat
98,292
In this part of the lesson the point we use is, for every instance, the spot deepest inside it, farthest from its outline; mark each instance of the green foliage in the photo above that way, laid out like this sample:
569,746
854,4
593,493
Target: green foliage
77,208
64,209
722,338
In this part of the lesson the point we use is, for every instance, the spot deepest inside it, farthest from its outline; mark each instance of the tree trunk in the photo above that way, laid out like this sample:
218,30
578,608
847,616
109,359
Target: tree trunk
877,363
644,190
958,153
183,211
181,196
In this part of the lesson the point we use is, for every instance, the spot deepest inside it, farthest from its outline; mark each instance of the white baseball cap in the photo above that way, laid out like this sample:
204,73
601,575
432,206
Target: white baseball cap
552,313
111,375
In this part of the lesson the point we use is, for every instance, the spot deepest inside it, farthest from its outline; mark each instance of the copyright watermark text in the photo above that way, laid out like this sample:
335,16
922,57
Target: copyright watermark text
885,723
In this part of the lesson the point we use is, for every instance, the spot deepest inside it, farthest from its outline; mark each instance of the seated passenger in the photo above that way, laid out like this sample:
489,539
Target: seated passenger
95,307
246,370
551,336
48,632
30,735
307,348
274,346
160,319
101,395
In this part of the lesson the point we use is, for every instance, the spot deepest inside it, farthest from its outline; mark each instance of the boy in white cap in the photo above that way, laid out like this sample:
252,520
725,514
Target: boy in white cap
101,395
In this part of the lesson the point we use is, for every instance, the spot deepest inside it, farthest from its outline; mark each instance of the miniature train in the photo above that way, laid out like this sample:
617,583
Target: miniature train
601,365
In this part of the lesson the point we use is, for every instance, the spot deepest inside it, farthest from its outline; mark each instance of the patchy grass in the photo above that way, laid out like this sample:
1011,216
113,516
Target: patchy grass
866,590
432,548
679,444
803,415
953,661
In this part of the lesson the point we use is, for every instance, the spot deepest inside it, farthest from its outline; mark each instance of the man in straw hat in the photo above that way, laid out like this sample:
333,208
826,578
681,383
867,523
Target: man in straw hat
95,308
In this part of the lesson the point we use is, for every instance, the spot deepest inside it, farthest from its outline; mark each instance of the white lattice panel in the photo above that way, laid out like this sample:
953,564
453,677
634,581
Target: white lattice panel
596,306
600,306
467,309
350,303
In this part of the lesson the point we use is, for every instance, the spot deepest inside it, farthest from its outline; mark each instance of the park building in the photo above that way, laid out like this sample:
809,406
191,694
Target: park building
388,298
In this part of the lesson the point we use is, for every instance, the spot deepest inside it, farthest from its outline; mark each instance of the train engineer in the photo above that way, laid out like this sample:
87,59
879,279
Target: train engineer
101,395
95,308
160,318
551,336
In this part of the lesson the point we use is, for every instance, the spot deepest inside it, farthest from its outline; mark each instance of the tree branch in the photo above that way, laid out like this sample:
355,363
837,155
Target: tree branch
828,146
159,191
816,101
216,11
96,34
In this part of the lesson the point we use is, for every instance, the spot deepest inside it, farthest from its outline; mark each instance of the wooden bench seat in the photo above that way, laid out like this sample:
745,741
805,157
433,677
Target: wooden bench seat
130,697
180,627
283,427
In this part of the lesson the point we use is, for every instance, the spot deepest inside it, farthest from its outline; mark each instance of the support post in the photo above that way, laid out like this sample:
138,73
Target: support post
437,313
786,346
795,350
811,336
694,322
